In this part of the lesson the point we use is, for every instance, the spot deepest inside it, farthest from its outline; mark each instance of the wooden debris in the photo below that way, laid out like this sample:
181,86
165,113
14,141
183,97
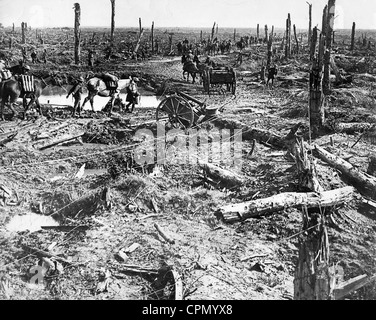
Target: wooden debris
248,133
353,127
61,140
254,256
227,177
345,288
42,253
80,173
163,234
66,228
365,183
134,269
245,210
178,285
8,138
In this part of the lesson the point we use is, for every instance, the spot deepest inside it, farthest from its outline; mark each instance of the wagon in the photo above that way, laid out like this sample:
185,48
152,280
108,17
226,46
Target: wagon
218,77
180,110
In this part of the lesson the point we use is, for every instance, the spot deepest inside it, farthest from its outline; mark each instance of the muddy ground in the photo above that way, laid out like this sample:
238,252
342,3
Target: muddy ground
253,259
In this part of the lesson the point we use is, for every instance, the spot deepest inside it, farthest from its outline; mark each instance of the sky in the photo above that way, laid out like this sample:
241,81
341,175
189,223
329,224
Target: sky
185,13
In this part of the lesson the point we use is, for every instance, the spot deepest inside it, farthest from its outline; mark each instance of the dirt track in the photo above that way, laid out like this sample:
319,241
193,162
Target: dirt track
253,259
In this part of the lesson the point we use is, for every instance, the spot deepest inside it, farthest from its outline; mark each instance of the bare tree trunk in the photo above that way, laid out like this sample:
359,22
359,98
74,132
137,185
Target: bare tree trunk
258,32
266,34
313,44
201,36
212,33
270,52
152,37
324,20
316,101
139,25
112,20
310,22
288,38
13,28
329,39
353,37
272,33
77,33
234,35
23,32
139,41
313,276
296,40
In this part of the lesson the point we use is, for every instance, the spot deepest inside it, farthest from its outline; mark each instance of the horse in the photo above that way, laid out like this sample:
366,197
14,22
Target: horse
96,86
190,68
11,90
240,44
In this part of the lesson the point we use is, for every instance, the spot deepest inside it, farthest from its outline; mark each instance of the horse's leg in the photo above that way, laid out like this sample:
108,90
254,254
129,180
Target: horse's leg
2,110
91,103
25,106
112,101
39,108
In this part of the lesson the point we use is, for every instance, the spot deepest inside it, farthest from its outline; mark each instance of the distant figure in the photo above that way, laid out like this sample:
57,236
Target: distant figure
190,56
90,58
76,91
34,58
272,72
44,56
24,55
132,94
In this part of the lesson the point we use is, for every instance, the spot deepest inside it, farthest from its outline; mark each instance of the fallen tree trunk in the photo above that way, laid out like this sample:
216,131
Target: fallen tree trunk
229,178
56,142
363,182
260,135
7,139
245,210
345,288
352,127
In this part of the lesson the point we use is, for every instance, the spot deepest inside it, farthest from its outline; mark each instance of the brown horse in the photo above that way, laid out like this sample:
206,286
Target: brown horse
11,90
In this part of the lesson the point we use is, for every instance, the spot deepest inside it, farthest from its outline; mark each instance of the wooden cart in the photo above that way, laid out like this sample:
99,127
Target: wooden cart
218,77
180,110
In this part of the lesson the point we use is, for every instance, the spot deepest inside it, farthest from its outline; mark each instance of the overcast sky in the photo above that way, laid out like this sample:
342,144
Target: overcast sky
185,13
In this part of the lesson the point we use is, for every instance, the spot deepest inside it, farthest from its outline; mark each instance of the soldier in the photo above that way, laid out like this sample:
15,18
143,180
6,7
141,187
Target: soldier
76,91
132,94
44,56
91,58
34,58
24,55
272,72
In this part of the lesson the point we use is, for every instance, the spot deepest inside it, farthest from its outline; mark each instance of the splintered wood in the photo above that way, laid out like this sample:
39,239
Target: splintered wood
245,210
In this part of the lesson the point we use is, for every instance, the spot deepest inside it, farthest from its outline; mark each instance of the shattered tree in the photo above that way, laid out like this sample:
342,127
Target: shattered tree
77,33
112,20
328,45
352,37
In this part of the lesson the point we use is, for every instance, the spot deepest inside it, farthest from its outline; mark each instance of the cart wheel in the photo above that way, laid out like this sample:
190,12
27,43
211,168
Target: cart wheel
175,111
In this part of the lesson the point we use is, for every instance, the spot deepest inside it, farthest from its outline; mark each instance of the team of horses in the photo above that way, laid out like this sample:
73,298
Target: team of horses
12,89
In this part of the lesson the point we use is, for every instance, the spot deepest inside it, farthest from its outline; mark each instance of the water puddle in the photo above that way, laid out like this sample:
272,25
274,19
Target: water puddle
31,221
56,96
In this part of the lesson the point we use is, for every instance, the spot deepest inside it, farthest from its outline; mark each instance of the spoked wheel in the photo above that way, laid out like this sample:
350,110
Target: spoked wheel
176,112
